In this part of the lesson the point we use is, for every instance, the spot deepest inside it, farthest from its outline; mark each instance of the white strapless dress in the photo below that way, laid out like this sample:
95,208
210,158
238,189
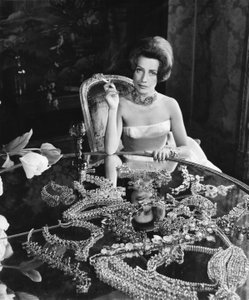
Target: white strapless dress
156,136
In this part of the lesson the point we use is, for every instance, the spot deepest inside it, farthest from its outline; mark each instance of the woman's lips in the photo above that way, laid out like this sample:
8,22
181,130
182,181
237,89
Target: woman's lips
142,86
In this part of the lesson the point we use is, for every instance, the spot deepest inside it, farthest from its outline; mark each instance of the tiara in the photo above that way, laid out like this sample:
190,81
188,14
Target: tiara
156,177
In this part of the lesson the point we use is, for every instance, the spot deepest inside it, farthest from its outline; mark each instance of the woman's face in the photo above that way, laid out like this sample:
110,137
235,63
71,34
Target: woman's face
140,195
146,215
145,75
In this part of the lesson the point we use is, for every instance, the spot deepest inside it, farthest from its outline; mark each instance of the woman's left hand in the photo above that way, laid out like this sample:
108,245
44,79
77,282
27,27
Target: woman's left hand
164,153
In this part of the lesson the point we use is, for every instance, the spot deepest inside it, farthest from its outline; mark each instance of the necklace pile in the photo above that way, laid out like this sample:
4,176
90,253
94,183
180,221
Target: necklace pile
189,220
138,99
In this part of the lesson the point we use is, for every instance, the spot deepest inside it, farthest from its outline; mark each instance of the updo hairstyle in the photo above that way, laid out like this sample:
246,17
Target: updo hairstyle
154,47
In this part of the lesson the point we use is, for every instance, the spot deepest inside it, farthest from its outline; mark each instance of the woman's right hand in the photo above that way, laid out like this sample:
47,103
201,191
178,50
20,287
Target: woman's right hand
112,95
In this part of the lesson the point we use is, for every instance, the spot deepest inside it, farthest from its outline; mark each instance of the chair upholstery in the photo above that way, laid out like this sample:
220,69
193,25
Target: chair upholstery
95,108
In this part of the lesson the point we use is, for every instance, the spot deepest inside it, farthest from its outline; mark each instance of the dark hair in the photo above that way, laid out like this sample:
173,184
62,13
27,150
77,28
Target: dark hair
154,47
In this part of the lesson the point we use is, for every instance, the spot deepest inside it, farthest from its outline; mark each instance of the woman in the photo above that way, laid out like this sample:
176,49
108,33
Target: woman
144,119
142,196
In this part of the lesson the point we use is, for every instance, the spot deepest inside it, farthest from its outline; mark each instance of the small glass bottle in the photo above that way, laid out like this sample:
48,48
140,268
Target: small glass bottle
20,77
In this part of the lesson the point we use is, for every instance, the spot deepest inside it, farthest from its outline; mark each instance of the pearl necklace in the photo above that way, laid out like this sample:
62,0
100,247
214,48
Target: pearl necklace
138,99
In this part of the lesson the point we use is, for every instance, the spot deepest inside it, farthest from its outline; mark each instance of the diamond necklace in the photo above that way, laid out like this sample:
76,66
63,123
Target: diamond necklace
137,98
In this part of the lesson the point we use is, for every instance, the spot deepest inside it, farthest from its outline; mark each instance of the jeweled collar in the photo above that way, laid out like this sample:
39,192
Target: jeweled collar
138,99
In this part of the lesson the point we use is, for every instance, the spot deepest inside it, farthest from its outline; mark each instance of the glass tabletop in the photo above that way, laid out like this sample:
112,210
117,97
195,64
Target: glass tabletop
125,227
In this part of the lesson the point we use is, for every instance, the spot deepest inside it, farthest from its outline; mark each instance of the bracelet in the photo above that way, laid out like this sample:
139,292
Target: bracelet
173,152
54,194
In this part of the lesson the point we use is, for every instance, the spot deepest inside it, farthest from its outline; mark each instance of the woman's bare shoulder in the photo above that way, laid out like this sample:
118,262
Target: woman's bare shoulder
169,101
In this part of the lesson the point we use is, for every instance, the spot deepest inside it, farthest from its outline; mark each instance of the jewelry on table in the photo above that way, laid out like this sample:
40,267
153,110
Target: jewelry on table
81,248
111,200
156,177
142,185
106,194
228,222
187,180
54,194
210,190
187,221
120,224
190,218
55,260
194,183
227,269
77,211
200,204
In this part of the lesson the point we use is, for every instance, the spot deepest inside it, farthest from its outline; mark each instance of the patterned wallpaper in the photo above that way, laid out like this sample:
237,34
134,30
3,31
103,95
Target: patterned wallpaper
214,60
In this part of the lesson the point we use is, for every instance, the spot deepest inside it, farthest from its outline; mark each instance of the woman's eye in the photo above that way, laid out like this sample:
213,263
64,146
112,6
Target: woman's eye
139,198
153,73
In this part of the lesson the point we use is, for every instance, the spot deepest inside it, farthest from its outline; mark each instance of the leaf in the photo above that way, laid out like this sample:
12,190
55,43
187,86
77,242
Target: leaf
53,154
30,264
26,296
15,146
8,162
34,275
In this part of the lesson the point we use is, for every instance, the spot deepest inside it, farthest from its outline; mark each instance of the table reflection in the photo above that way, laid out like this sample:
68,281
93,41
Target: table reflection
128,228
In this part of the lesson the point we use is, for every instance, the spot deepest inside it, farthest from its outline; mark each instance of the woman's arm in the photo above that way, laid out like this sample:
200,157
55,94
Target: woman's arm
114,121
179,132
177,124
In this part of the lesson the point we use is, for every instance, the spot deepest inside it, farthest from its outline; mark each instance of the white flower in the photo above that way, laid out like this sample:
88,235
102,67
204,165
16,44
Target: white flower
1,186
3,244
34,164
4,224
5,247
3,293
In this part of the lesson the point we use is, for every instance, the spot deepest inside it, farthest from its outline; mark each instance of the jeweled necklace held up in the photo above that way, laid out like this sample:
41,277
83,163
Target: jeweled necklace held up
138,99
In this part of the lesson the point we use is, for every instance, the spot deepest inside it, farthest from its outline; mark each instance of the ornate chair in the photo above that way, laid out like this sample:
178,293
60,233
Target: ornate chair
95,108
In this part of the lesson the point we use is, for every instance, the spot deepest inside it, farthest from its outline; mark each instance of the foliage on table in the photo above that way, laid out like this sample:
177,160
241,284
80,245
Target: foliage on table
33,160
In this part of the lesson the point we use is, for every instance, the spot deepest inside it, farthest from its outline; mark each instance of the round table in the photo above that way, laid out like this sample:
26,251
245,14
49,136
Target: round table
171,230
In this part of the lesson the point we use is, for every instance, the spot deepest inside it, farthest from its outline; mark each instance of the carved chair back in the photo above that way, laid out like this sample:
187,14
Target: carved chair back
95,108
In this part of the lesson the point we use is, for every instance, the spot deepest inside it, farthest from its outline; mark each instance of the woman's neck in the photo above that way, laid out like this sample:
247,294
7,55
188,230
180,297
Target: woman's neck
143,99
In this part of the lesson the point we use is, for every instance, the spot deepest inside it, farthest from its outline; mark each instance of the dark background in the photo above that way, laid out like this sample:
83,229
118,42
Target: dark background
58,44
48,47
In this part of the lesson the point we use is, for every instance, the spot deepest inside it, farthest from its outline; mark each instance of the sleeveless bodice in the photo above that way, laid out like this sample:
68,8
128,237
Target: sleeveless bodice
145,137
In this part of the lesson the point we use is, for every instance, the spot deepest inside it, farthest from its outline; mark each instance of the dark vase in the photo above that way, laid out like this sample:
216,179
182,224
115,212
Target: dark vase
14,84
19,78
